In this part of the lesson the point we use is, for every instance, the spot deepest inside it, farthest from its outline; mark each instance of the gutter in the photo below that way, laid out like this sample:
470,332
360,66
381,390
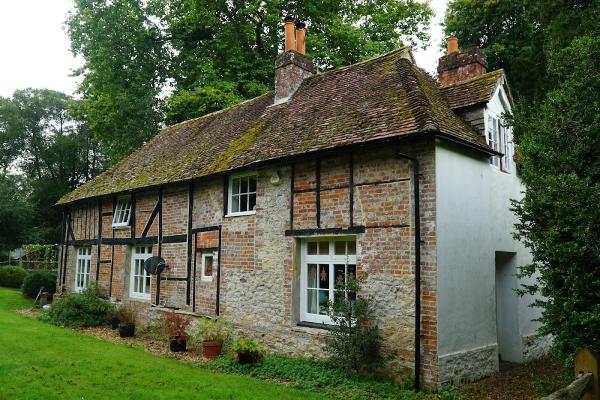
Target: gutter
417,239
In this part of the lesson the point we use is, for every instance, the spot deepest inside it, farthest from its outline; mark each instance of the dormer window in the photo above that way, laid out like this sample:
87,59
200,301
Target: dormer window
500,139
122,212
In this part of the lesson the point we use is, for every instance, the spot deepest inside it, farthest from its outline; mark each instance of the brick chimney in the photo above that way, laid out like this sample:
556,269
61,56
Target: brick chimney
457,66
292,66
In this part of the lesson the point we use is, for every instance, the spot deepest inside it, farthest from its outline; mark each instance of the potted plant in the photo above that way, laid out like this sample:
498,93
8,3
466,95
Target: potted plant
174,327
117,317
247,350
125,316
211,333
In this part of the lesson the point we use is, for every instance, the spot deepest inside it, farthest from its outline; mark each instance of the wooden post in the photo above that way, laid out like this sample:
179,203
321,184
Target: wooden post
586,361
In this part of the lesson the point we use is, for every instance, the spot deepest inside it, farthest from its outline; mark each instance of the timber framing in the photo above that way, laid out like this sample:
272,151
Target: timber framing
159,240
99,240
189,238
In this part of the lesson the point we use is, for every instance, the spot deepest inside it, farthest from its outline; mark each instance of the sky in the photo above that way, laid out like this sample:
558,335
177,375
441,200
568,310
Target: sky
35,48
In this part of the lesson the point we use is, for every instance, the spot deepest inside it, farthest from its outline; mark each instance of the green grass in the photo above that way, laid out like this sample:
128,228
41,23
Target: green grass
40,361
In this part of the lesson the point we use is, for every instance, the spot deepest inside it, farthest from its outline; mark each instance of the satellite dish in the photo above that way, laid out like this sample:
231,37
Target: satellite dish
154,265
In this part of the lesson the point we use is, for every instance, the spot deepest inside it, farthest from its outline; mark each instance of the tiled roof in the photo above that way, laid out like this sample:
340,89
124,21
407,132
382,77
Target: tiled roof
384,97
473,91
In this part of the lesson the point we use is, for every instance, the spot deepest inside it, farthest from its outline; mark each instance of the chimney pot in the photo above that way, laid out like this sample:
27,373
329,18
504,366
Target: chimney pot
300,37
292,66
452,45
290,40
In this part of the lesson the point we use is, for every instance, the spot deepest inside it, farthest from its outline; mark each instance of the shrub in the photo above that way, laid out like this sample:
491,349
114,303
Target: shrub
174,326
125,313
11,276
247,350
80,309
319,377
206,329
355,341
37,280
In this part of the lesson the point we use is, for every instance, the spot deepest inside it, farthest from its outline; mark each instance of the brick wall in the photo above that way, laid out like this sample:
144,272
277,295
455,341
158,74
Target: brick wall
259,285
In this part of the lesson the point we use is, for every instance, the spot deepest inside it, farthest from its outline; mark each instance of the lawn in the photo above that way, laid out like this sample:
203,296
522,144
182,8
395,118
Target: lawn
40,361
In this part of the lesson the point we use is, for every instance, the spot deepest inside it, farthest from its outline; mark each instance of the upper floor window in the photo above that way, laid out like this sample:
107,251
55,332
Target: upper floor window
326,265
83,268
500,139
122,212
242,194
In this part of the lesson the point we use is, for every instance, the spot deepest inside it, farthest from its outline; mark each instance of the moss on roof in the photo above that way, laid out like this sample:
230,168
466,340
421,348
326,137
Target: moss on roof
384,97
473,91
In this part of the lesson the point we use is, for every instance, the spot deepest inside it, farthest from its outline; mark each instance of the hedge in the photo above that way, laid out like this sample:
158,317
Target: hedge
12,276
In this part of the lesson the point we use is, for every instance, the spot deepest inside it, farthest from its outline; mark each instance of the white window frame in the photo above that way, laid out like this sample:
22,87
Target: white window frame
83,268
203,276
123,205
329,259
230,212
140,254
499,138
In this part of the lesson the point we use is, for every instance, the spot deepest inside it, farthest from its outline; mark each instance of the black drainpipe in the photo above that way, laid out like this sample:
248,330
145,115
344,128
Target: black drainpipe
417,212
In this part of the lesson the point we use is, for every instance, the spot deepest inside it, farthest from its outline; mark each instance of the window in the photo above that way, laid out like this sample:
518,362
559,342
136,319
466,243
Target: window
507,143
139,283
326,263
82,268
242,195
493,139
499,139
208,265
122,212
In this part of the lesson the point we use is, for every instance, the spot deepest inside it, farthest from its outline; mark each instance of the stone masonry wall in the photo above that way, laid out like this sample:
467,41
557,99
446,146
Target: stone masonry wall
260,268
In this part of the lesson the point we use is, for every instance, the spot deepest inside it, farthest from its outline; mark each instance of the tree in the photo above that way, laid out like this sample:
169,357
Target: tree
225,51
15,214
123,74
559,217
520,35
55,153
213,53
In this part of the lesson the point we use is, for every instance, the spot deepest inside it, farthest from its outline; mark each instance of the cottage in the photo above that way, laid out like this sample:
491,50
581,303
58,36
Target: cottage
375,169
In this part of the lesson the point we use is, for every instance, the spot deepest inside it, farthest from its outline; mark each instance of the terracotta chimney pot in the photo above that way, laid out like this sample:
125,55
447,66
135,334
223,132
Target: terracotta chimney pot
290,40
452,45
300,35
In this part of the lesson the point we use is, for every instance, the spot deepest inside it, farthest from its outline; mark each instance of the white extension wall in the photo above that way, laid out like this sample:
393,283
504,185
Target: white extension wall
473,223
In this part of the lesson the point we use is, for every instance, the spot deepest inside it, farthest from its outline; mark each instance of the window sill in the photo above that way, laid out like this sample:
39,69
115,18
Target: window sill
120,227
315,325
241,214
139,297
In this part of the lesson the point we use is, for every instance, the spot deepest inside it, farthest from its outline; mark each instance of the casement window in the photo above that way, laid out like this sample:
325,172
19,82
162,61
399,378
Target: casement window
208,267
242,195
499,139
83,268
326,264
122,212
139,282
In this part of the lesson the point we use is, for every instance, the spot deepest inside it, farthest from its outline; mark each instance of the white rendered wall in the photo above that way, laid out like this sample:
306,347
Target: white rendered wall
473,223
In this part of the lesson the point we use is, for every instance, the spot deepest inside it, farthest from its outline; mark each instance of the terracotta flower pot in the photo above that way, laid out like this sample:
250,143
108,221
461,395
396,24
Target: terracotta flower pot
211,349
